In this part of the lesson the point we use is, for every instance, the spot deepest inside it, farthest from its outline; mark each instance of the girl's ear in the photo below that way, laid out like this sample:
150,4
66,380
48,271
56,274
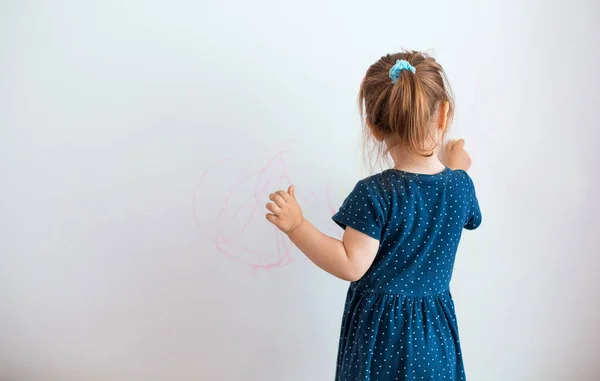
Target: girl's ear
443,116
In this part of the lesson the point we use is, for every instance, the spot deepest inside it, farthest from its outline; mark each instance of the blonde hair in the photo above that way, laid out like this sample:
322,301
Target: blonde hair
401,112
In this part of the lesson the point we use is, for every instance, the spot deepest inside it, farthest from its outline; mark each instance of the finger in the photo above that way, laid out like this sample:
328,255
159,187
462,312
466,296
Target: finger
291,191
277,199
450,145
271,218
460,143
284,195
274,209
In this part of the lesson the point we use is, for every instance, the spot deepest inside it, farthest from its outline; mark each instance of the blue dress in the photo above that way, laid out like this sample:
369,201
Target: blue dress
399,322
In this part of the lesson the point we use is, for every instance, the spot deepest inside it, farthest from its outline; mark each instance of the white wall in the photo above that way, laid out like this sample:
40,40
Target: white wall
114,119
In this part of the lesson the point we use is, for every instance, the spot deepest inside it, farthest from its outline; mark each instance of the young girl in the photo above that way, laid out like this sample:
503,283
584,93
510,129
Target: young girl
402,229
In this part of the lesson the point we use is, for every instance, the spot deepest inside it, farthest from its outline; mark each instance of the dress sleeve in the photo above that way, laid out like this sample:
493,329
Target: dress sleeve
361,211
474,213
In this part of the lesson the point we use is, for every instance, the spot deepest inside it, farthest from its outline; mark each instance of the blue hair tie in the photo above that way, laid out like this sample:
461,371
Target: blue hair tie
398,67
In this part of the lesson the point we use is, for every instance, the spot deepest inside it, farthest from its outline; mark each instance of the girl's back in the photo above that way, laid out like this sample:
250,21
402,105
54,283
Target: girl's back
405,294
419,221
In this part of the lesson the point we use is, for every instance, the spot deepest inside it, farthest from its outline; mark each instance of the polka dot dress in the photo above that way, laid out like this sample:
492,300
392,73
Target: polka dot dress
399,322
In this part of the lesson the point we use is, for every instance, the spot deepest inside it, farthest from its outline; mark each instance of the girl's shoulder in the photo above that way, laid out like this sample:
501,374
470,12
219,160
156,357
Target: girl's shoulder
462,176
461,173
380,184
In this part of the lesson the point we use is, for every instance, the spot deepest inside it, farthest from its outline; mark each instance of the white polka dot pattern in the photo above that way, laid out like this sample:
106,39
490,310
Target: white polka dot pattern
399,321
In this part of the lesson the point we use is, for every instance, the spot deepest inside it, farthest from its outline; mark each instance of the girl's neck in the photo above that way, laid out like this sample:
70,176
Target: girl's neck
408,162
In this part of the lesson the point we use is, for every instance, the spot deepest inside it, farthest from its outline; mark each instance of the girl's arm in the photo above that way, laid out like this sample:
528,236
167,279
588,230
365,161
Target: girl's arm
348,259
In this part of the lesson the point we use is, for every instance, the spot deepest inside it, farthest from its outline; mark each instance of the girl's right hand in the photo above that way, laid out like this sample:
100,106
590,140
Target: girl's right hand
285,213
455,156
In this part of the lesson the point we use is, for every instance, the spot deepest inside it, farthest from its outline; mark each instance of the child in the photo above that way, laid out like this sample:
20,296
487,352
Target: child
402,229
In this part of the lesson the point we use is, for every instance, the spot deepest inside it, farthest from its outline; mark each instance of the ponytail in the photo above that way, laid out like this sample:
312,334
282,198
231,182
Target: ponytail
398,98
409,112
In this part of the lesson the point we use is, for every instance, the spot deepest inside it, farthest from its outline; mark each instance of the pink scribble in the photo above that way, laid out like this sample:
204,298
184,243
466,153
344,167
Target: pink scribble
239,230
228,232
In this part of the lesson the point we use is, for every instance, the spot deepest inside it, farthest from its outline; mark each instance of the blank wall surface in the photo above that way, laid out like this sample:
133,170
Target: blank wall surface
139,140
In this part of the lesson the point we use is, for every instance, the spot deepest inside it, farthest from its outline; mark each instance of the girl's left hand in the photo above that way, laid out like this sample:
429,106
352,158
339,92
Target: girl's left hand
286,214
456,157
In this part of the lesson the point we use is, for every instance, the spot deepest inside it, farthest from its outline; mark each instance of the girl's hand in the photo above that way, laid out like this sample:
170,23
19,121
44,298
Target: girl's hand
455,156
286,214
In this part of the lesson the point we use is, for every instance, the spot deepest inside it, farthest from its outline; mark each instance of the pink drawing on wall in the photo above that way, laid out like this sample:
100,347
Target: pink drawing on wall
232,216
